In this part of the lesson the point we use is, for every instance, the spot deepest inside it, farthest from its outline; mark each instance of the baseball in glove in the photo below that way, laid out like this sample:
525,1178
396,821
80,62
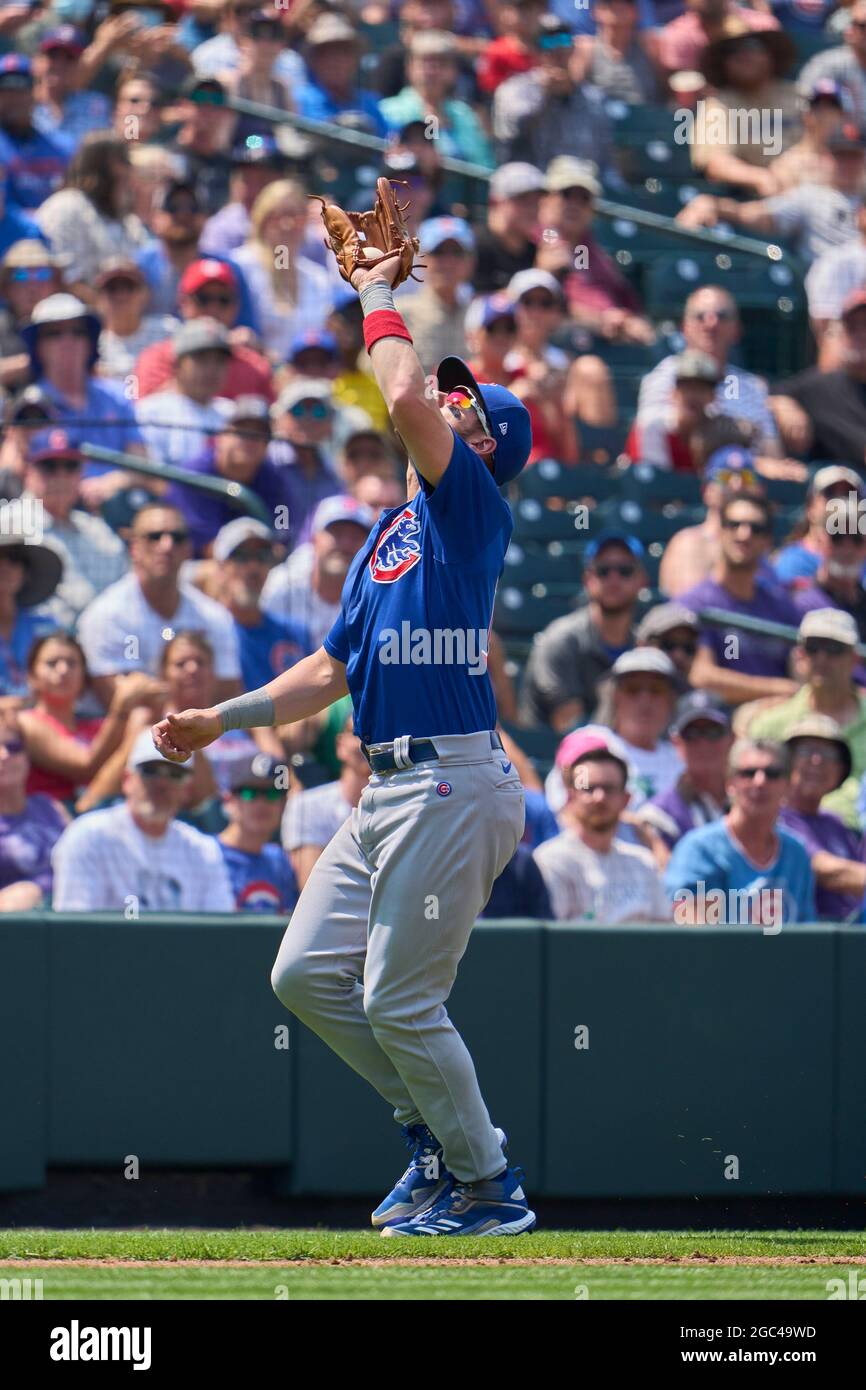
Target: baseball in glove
364,239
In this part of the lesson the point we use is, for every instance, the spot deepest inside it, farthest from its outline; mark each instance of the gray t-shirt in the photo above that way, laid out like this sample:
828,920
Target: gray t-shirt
817,218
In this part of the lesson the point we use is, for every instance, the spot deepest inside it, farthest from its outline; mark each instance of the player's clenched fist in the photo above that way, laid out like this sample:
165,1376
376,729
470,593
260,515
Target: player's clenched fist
178,735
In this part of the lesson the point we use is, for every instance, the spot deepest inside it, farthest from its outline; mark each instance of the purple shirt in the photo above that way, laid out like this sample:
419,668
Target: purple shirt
828,833
206,513
673,816
26,842
756,655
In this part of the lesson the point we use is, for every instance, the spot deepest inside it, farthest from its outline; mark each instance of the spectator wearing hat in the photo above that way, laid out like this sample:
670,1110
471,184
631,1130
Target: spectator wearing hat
28,410
711,324
826,657
128,330
244,552
506,244
673,629
139,849
820,764
797,563
693,552
598,296
832,282
362,452
644,686
204,139
29,574
435,314
413,17
835,402
681,43
354,385
845,64
208,288
29,273
178,220
734,664
569,658
291,294
664,437
93,555
701,735
837,582
431,73
253,78
304,418
314,353
214,41
815,218
312,818
592,875
809,160
30,826
760,869
255,162
127,626
35,161
89,220
63,108
179,421
546,112
340,526
261,876
490,328
419,170
332,51
614,60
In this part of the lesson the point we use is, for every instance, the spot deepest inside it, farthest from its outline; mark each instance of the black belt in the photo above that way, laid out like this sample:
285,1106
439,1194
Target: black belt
406,752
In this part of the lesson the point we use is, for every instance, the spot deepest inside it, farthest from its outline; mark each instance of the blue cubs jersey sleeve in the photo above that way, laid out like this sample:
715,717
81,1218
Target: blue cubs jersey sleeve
417,603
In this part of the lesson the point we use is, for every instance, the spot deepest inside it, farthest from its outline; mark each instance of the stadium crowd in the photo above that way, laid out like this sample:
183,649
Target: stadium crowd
676,648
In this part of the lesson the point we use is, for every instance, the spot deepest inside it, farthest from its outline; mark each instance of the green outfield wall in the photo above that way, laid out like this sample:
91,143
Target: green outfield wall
632,1062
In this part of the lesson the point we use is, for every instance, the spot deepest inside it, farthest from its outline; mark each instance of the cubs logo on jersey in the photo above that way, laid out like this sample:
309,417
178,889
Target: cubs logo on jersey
398,548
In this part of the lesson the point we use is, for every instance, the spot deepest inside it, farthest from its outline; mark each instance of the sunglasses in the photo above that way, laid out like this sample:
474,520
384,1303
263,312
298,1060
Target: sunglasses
317,410
66,330
461,400
33,274
221,301
540,301
826,752
757,528
701,315
748,476
254,555
709,733
815,646
502,328
624,571
266,29
748,774
13,746
52,466
165,772
153,537
688,648
259,794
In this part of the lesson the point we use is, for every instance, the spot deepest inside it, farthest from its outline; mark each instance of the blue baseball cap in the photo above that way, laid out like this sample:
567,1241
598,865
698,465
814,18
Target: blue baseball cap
613,537
303,342
15,72
731,459
507,416
437,230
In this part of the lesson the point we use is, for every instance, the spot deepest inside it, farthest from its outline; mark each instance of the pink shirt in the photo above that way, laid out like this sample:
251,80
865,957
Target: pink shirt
682,42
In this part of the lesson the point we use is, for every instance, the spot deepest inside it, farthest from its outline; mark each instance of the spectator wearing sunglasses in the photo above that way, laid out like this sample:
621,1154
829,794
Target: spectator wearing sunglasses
138,850
260,43
702,736
820,764
435,315
304,419
29,574
644,687
209,288
692,552
711,325
260,872
256,162
93,555
122,294
760,868
569,658
798,562
734,664
490,328
837,583
30,826
827,658
29,273
673,629
127,626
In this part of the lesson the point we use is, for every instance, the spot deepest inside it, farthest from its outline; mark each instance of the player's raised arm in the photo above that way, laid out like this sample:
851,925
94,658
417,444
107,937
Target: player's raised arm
309,686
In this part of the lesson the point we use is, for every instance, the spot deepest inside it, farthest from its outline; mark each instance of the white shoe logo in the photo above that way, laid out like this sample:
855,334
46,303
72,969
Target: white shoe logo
518,1195
503,428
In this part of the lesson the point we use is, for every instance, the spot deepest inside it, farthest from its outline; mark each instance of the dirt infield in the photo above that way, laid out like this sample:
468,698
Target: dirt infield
697,1260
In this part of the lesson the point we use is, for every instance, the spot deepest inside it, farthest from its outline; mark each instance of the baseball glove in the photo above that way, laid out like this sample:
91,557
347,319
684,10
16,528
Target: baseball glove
364,239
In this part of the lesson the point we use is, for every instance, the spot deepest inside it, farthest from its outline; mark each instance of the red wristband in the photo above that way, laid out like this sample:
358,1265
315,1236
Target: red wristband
384,323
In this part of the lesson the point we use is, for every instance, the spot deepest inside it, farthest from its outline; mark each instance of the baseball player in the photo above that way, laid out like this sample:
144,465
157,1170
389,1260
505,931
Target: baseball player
372,950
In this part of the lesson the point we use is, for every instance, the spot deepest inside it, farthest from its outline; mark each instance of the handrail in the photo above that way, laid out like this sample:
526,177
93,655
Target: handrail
243,499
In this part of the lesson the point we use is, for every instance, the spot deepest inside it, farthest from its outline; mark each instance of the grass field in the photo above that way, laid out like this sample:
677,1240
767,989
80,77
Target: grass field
316,1264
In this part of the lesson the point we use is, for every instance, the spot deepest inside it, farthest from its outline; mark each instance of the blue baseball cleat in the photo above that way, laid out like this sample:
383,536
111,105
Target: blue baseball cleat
425,1182
497,1207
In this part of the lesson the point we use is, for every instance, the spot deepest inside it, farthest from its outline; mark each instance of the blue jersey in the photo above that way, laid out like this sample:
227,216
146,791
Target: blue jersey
417,605
263,882
270,648
706,860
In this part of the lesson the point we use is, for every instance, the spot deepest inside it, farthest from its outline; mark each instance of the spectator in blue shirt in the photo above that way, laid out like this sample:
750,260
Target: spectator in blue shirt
63,110
261,875
15,225
331,93
744,869
29,574
269,645
35,162
520,890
